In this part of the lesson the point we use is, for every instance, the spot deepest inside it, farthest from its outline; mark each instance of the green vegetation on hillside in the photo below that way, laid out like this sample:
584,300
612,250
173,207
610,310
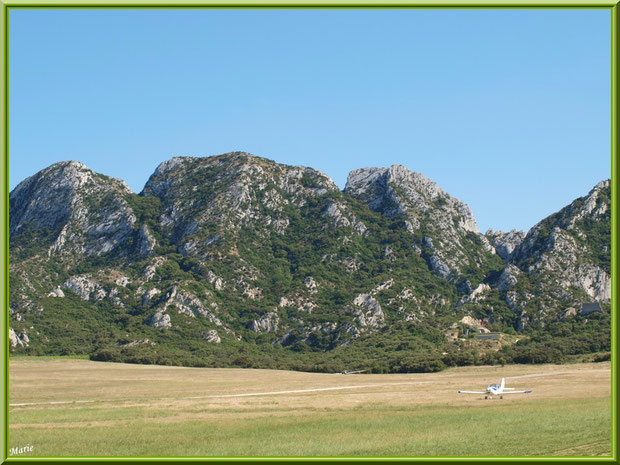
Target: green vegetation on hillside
238,261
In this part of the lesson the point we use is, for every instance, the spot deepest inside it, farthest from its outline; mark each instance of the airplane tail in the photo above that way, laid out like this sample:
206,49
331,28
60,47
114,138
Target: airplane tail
502,385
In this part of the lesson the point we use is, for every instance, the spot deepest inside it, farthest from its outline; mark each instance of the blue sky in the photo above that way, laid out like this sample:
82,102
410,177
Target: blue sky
508,110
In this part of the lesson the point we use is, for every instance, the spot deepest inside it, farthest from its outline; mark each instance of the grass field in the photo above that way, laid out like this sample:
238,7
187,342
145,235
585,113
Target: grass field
65,407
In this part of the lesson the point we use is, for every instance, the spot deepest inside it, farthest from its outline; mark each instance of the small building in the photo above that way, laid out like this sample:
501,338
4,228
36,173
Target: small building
589,308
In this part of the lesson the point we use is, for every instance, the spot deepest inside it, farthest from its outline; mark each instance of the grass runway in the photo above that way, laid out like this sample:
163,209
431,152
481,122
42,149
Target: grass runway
66,407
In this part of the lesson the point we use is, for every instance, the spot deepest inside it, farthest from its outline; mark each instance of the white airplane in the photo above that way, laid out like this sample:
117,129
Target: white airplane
496,390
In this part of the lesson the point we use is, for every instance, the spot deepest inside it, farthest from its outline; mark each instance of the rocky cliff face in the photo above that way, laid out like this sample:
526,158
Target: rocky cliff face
237,250
441,226
397,190
225,193
62,217
563,260
69,209
505,242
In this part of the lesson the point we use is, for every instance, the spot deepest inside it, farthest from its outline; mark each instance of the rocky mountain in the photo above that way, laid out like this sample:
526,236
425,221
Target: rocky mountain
238,260
443,228
566,258
70,209
64,216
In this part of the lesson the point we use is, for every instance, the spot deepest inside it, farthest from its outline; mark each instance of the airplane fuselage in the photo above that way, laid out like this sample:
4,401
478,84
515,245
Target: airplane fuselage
496,390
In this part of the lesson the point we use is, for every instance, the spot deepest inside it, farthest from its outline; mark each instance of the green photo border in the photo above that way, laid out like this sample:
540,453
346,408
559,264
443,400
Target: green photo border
7,5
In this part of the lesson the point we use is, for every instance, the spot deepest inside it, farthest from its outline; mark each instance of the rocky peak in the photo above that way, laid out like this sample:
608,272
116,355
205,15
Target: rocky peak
429,212
45,199
398,190
563,260
595,205
239,166
505,242
572,224
229,191
76,209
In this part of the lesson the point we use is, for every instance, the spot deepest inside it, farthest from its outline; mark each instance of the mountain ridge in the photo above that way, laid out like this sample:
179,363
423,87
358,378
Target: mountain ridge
241,252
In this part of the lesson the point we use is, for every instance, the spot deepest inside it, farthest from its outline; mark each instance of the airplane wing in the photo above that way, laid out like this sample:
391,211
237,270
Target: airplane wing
472,392
515,392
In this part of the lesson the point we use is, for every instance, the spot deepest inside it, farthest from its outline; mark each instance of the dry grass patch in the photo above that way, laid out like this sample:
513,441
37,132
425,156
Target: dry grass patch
139,410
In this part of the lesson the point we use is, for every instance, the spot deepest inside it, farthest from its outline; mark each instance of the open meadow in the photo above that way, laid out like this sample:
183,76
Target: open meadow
68,407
